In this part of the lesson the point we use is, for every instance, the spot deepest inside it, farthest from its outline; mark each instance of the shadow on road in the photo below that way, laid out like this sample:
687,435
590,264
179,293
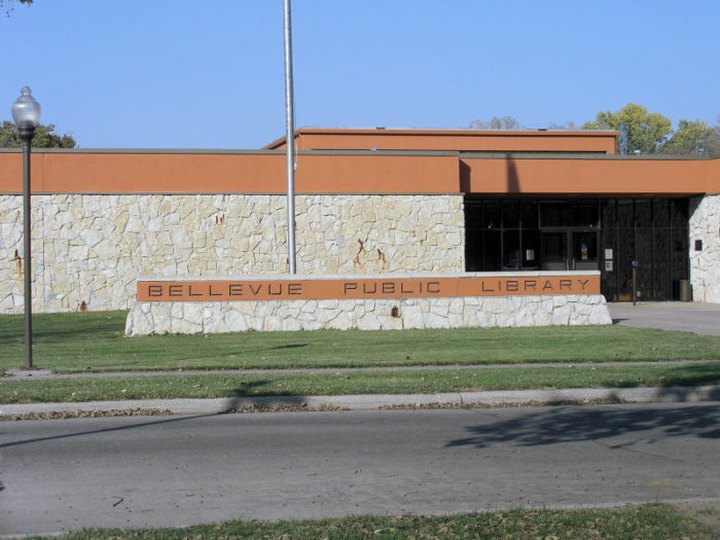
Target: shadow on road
147,423
241,397
571,424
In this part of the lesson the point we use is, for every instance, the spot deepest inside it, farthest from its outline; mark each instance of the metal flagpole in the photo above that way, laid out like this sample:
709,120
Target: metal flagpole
289,140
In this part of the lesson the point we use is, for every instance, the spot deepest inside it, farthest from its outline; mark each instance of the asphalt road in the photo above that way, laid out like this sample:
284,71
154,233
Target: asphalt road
162,471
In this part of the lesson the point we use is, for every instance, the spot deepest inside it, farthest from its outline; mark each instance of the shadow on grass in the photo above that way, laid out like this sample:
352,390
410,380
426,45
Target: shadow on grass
572,424
694,375
288,346
679,381
248,389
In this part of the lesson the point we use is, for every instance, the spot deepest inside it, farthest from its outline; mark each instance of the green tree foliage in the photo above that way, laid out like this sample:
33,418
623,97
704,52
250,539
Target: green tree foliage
496,122
646,132
652,133
44,137
693,138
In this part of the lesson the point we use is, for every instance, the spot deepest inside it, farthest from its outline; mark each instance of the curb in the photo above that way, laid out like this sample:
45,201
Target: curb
670,394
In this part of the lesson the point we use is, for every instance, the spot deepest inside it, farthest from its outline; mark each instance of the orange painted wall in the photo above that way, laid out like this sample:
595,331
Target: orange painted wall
608,176
447,140
93,172
373,172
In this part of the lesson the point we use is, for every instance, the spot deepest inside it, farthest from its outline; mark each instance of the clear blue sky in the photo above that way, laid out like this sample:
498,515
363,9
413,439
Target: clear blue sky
209,73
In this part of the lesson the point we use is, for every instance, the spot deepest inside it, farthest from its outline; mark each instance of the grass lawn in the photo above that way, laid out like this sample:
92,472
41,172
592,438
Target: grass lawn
329,382
94,342
82,342
652,521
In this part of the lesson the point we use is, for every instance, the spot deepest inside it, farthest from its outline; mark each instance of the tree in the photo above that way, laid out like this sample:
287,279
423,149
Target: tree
506,122
7,5
646,132
693,138
569,125
44,137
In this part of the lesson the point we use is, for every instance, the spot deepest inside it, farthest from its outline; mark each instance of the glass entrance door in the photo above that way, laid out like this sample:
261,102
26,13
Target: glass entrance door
569,250
555,250
584,254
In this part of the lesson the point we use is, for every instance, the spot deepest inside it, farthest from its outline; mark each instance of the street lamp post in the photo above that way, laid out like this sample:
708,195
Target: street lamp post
26,113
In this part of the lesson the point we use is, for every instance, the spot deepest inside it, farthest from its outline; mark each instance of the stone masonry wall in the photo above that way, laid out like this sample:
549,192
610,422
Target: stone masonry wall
705,264
88,250
380,314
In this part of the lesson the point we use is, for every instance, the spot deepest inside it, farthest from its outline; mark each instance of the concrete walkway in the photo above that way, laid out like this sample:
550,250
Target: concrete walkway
506,398
694,317
47,374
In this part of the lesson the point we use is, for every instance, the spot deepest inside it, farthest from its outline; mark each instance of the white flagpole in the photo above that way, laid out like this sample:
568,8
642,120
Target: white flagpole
289,140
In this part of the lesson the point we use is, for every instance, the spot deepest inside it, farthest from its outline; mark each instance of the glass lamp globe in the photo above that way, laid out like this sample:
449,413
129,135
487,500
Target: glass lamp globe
25,110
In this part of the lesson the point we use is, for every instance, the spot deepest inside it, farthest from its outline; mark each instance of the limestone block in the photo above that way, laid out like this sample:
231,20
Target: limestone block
456,320
562,315
344,321
469,314
485,318
599,315
457,306
273,323
290,324
235,321
412,316
369,321
434,320
307,324
494,305
325,315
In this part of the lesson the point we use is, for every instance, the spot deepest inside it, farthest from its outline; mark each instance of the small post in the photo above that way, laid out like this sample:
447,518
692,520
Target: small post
635,266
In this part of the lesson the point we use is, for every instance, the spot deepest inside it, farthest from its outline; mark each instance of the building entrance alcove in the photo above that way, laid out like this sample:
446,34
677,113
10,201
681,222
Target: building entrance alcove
605,234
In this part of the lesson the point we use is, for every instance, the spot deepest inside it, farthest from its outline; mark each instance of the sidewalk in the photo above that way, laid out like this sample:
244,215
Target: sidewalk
46,374
696,317
674,394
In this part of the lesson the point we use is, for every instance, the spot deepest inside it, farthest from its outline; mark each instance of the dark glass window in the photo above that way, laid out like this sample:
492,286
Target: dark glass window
609,215
643,213
529,215
585,216
511,215
491,215
492,251
625,218
661,213
551,215
679,213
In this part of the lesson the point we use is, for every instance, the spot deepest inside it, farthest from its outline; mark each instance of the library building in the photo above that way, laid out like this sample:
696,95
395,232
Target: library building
395,203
